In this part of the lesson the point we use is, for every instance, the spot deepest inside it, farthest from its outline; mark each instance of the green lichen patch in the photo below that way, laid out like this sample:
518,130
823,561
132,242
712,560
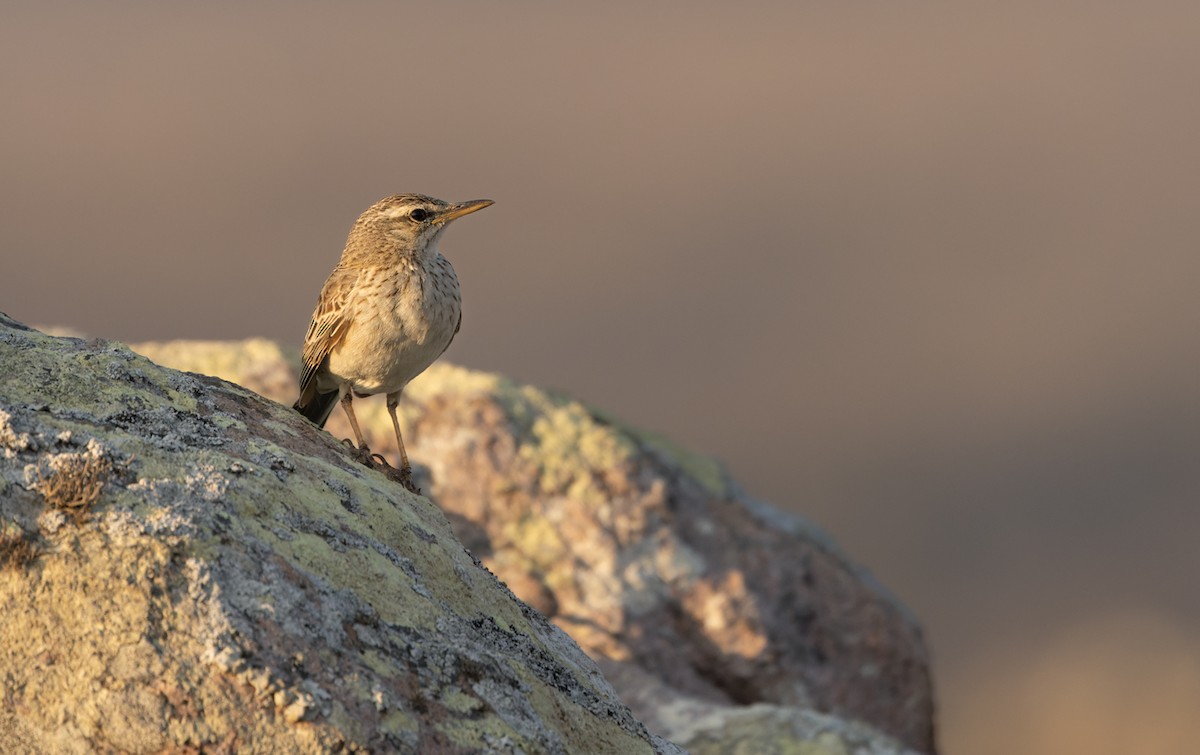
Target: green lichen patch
228,360
241,579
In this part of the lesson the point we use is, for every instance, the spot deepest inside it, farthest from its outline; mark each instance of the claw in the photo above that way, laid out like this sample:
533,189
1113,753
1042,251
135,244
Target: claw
361,455
404,477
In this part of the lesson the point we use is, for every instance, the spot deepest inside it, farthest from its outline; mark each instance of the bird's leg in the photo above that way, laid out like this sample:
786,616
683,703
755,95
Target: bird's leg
393,400
403,475
346,400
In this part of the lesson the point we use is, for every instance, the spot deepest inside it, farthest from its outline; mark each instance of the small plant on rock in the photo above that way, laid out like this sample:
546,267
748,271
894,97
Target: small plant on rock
73,482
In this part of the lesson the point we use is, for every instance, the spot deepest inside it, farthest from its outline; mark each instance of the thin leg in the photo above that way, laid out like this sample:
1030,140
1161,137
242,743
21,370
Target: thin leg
393,400
362,444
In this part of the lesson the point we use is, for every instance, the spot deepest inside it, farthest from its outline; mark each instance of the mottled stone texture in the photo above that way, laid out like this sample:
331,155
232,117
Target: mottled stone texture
700,603
201,570
650,557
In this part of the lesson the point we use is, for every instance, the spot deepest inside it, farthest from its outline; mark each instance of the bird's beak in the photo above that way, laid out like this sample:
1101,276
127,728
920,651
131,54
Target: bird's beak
462,208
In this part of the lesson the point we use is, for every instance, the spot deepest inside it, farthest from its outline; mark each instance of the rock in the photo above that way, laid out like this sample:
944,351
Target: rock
695,598
185,566
702,726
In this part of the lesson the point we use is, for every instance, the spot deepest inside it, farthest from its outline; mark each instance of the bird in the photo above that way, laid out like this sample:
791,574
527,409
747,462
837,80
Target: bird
389,309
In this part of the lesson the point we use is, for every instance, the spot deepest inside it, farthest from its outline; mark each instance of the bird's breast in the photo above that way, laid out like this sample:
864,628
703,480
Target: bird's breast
429,302
404,319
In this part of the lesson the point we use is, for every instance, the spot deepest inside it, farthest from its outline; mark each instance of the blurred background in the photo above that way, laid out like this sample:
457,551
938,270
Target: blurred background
925,273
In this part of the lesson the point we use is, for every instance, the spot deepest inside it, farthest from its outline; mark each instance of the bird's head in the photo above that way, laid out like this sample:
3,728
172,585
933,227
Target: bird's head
412,222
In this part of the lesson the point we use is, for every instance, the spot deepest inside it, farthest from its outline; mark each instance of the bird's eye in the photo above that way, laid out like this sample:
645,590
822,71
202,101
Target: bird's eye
418,214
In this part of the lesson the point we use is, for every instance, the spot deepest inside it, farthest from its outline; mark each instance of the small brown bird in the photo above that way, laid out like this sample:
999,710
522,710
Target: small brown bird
387,311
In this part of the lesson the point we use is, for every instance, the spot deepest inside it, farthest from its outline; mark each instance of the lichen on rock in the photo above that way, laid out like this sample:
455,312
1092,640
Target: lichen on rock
695,598
239,584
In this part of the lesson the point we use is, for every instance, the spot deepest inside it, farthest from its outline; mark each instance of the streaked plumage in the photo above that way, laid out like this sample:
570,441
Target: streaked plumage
387,311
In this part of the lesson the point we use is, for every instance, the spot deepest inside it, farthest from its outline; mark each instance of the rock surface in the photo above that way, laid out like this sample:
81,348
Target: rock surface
714,615
186,567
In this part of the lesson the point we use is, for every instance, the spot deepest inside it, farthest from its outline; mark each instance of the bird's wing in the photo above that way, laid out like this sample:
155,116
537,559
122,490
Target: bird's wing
330,321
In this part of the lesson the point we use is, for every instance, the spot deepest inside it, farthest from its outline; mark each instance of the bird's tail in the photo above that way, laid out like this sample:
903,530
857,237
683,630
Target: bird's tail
318,407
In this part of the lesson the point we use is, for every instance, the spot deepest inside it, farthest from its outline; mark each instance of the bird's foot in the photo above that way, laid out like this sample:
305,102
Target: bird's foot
403,475
361,454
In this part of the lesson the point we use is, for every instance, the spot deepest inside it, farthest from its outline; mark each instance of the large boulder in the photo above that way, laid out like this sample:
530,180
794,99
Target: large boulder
186,566
712,613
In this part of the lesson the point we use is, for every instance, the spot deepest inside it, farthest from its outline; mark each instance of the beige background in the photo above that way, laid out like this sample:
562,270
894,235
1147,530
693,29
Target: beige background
925,273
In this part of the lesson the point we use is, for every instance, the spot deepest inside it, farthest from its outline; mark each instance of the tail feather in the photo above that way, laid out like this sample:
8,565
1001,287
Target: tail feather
318,407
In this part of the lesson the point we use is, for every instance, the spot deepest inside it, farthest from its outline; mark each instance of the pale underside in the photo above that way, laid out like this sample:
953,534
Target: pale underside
381,328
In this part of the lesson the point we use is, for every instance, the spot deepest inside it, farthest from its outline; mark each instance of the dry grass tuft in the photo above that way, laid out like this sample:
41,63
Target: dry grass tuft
17,547
73,482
